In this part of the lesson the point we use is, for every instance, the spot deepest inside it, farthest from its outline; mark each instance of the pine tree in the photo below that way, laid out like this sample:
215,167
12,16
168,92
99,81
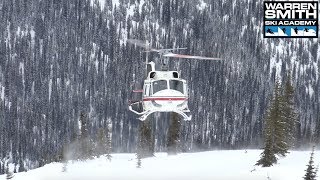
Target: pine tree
138,160
85,142
21,166
317,132
101,142
145,140
109,140
268,157
3,169
9,174
274,131
277,114
289,114
310,171
174,134
64,167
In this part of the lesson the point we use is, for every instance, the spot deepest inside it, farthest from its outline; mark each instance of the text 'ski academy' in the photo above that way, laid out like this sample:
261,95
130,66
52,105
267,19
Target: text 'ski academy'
291,19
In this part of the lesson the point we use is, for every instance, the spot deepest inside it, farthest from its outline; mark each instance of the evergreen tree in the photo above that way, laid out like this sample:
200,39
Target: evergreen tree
3,169
145,140
138,160
279,125
9,174
274,131
310,171
109,140
317,132
289,114
21,166
86,145
174,134
64,167
72,151
268,157
102,145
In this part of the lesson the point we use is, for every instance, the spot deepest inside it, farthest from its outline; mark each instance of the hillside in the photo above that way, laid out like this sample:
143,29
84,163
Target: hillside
222,165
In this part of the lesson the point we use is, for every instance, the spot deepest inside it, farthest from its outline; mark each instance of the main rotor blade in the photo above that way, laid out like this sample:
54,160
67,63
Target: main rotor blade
190,57
172,49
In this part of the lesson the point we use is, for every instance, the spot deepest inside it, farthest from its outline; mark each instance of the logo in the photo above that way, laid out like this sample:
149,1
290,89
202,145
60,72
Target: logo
290,19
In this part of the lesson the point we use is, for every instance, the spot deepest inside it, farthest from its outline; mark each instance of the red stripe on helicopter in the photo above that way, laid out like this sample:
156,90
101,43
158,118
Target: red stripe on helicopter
165,99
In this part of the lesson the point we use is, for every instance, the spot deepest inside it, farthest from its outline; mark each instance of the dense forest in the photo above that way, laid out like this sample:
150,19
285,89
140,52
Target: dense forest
59,59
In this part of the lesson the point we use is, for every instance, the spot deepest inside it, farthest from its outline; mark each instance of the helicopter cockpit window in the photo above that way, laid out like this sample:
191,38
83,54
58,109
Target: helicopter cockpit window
159,85
176,85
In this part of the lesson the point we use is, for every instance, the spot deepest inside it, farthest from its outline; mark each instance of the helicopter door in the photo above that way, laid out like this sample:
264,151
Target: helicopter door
146,89
185,87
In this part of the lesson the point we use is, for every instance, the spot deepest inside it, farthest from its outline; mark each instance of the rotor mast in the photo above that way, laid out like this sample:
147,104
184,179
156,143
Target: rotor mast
165,54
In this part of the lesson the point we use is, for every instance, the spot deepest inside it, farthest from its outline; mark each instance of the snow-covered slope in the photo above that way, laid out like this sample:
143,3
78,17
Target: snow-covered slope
222,165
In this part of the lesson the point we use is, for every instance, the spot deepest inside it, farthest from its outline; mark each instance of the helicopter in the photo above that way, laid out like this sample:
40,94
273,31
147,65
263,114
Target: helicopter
163,90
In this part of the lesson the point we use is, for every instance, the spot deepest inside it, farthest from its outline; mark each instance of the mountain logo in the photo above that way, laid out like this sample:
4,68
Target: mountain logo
291,19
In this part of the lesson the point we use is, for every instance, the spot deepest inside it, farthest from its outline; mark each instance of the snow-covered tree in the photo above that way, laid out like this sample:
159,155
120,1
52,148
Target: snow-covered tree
64,166
9,173
173,139
102,142
268,157
85,142
311,170
145,140
109,140
275,135
138,160
278,122
21,166
289,113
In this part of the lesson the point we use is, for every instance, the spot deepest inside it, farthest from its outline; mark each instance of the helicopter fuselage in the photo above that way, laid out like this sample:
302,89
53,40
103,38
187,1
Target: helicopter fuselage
164,91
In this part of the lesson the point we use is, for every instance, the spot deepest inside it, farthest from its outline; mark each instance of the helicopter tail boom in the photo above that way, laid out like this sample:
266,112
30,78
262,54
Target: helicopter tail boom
190,57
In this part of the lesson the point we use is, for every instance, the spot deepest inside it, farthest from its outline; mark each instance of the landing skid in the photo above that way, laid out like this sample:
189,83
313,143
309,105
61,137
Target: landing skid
144,114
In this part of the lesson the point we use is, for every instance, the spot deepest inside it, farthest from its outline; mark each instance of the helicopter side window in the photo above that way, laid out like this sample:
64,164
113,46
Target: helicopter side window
146,89
176,85
159,85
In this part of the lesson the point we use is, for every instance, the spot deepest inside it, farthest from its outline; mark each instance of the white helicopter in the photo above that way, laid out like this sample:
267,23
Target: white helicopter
163,91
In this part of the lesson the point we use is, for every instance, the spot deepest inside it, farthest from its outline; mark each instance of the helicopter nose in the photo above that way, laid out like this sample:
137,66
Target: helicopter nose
170,102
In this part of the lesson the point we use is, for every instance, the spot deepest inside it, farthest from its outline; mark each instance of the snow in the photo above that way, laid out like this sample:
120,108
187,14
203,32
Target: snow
281,33
2,92
103,2
311,32
50,88
202,5
222,165
225,18
310,90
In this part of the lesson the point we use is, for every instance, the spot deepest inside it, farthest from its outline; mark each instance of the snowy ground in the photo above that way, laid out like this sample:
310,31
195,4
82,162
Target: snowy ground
219,165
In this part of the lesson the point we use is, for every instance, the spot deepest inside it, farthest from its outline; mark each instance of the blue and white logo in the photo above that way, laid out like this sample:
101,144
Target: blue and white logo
291,19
